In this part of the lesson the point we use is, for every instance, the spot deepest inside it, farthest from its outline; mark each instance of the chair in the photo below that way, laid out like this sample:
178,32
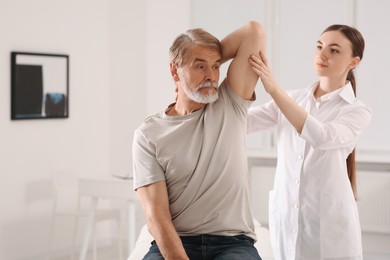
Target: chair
66,203
262,245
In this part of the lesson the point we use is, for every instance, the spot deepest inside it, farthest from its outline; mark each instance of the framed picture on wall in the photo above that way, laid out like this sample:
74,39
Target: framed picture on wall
39,85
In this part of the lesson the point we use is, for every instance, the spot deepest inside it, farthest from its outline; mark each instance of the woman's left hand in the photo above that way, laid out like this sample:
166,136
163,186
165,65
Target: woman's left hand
260,67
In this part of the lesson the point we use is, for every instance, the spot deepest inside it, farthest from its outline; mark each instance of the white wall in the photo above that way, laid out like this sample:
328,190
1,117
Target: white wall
127,88
31,149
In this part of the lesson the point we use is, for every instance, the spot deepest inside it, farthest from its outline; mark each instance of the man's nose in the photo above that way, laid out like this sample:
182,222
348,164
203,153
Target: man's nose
211,75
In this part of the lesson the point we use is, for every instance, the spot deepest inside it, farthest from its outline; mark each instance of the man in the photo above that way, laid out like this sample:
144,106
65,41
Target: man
190,166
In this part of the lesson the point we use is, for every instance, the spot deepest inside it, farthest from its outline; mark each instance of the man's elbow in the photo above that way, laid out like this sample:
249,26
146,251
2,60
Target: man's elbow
255,29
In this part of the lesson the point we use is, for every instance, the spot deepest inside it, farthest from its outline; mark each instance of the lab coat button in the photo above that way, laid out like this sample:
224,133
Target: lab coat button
300,157
296,205
297,181
295,230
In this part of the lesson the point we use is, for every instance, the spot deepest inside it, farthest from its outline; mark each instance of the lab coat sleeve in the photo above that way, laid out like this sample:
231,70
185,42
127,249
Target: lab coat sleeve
262,117
340,132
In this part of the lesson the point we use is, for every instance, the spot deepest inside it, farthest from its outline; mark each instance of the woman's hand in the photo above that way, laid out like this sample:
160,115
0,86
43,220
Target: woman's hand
260,67
291,110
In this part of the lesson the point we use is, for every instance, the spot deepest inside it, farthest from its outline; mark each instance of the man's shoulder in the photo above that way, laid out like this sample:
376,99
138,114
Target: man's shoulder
230,98
149,122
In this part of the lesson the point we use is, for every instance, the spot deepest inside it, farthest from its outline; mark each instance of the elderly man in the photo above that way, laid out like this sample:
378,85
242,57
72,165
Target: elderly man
190,166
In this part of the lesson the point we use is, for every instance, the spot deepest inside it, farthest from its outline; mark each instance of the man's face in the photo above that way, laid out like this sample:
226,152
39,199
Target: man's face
199,77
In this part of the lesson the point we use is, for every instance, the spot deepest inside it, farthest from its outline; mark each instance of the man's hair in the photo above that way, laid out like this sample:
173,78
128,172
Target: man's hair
180,49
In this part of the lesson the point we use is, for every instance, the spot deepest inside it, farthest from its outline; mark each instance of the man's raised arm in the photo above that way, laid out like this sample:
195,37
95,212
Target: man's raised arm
239,45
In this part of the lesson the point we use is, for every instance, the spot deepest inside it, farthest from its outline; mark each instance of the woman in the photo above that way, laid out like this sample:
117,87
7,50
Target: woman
313,212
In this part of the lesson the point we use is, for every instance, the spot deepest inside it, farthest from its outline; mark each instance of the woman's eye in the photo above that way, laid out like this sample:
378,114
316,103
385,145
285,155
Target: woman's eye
334,51
319,47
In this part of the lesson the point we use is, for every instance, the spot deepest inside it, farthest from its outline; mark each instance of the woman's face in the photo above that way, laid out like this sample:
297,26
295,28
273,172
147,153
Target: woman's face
333,55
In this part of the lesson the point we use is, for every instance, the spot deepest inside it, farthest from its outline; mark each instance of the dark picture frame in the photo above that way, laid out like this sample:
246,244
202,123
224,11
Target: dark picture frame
39,85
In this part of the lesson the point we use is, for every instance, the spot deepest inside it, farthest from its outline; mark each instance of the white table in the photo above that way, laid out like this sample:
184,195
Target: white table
107,188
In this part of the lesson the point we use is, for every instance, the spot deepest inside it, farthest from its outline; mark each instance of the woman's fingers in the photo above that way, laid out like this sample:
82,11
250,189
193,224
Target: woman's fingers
255,60
263,58
257,71
259,65
255,63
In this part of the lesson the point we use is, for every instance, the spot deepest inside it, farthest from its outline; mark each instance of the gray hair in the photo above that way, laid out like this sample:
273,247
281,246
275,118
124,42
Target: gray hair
180,49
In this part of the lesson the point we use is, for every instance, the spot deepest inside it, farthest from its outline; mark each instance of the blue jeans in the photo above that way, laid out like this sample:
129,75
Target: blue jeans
209,247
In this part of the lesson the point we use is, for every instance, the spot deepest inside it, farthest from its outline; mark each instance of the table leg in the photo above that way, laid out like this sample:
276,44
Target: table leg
89,229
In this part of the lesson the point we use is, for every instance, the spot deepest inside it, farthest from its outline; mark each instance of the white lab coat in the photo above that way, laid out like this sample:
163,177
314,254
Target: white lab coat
313,214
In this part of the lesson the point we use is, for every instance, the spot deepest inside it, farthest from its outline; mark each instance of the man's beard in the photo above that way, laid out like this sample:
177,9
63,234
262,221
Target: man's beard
197,96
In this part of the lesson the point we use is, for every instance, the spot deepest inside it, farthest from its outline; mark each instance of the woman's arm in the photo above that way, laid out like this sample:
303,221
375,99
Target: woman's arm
294,113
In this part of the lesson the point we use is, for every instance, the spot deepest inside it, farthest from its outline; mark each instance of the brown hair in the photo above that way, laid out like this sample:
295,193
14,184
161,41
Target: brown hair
357,45
180,49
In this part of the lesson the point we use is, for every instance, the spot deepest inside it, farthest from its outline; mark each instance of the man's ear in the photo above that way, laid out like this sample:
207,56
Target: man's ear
173,69
354,63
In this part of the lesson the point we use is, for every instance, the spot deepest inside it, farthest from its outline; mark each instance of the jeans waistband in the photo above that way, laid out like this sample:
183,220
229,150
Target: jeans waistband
214,239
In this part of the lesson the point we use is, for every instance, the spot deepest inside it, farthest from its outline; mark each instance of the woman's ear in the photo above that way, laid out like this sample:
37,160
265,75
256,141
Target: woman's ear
173,69
354,63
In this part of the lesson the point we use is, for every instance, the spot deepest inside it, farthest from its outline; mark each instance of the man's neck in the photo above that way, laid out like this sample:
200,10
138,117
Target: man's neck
179,109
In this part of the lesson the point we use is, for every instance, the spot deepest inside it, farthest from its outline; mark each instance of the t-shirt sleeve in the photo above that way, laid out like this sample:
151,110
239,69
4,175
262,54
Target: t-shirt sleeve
239,105
146,168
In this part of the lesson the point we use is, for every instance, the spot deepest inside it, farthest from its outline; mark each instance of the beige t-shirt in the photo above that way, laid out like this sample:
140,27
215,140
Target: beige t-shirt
202,158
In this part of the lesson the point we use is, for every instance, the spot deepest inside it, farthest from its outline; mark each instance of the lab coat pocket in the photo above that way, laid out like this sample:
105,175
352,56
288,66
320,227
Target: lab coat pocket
274,222
340,228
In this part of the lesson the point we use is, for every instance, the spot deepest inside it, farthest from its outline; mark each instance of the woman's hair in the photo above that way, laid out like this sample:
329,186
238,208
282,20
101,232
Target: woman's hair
181,47
357,44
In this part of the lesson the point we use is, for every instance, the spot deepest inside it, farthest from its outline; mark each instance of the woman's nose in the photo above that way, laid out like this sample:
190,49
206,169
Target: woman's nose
322,55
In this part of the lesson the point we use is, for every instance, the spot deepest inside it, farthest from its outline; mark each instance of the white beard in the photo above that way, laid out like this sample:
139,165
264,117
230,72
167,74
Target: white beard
198,97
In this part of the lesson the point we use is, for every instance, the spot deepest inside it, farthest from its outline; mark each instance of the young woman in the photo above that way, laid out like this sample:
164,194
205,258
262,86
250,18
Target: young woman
313,211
